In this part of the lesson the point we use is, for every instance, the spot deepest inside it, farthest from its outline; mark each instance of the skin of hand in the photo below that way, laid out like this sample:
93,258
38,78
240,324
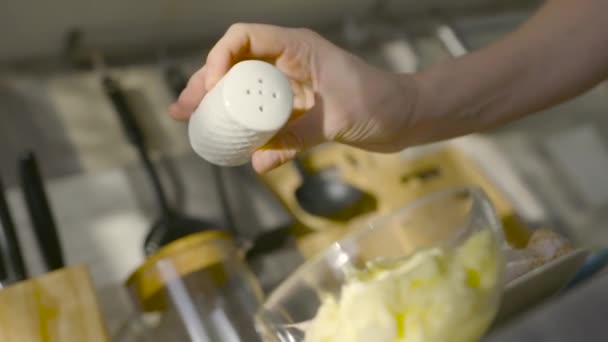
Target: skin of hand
337,96
557,54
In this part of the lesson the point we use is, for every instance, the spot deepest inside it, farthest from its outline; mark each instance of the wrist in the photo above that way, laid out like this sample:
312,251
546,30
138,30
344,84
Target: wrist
418,107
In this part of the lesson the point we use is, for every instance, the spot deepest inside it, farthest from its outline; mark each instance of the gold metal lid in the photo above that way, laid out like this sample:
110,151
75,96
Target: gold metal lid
186,256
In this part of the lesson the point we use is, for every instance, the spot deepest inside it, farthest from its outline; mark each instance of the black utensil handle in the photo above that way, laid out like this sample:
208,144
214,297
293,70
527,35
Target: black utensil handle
122,108
222,194
131,127
161,196
40,212
12,259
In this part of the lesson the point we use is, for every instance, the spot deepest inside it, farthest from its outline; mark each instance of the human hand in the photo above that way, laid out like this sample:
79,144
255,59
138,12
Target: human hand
337,96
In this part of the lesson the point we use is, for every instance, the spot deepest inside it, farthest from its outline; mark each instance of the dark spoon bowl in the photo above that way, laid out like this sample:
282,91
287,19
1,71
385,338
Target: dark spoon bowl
172,227
323,193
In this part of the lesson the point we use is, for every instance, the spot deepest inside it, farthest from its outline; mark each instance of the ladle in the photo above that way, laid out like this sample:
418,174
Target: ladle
323,193
171,224
176,81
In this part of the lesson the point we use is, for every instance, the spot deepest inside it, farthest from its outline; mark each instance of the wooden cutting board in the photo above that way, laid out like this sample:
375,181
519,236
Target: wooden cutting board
60,306
392,180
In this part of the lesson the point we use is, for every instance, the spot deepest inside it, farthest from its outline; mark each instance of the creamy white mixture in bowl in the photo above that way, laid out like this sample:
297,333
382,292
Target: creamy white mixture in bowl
431,271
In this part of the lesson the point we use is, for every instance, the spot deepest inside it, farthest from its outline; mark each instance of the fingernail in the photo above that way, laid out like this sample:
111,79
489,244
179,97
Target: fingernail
264,160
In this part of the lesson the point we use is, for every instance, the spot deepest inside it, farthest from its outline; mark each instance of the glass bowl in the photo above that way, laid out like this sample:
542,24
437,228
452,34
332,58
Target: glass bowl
429,271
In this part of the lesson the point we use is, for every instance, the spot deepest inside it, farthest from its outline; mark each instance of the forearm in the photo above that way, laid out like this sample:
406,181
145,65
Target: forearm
559,53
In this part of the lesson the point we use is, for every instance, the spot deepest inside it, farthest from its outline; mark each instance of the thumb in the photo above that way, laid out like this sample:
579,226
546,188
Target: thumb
298,135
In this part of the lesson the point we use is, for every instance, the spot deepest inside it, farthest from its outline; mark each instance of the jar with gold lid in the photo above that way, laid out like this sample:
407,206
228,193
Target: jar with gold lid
197,288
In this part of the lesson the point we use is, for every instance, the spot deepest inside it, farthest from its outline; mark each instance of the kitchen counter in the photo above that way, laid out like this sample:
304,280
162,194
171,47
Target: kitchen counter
103,203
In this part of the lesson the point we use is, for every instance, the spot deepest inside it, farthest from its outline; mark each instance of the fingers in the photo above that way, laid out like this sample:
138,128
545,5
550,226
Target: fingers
300,134
243,41
190,97
288,50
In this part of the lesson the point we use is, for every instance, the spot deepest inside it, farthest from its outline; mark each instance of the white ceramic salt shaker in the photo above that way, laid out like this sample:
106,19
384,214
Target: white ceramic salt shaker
246,108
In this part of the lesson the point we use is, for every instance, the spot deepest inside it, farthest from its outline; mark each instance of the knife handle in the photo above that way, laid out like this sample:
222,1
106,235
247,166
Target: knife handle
40,212
10,251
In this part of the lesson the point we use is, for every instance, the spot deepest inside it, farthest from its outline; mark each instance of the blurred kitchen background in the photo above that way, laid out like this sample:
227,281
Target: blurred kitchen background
552,166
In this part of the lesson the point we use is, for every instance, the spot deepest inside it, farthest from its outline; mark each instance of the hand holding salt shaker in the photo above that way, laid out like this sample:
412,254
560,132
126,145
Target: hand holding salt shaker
246,108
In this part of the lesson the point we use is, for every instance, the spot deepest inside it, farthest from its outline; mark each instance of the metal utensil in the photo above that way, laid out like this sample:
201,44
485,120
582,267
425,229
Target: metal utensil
177,81
323,193
264,243
171,224
261,245
11,259
40,212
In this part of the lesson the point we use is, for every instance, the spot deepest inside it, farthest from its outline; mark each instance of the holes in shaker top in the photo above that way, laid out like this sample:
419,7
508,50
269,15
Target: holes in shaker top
261,108
274,95
260,81
260,92
248,92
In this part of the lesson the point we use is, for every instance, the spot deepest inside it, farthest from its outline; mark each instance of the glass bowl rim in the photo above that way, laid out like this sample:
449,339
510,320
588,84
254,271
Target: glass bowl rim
363,228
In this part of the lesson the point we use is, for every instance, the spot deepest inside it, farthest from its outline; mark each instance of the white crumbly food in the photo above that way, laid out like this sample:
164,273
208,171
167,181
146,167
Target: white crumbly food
437,295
